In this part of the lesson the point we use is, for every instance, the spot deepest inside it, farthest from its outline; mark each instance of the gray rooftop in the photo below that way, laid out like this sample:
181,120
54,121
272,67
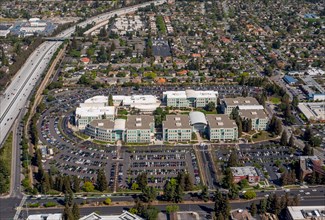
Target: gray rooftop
103,124
177,122
240,101
253,113
220,121
139,121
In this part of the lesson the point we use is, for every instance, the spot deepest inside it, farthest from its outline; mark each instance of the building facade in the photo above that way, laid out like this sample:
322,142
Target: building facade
258,118
177,128
140,129
136,129
189,98
249,103
221,128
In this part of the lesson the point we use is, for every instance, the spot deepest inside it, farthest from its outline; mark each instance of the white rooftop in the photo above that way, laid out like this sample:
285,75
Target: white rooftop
306,212
124,216
97,99
95,111
313,110
191,94
175,94
56,216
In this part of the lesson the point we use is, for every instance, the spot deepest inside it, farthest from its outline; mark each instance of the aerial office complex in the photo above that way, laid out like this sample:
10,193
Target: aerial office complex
177,128
189,98
135,129
220,127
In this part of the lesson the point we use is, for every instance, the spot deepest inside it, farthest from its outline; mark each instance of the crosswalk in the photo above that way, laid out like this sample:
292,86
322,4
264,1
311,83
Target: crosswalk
19,208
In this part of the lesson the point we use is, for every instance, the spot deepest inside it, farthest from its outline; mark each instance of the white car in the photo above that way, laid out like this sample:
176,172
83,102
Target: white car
301,191
307,193
314,190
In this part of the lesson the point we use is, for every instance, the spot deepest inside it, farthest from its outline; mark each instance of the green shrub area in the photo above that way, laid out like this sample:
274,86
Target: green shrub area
5,164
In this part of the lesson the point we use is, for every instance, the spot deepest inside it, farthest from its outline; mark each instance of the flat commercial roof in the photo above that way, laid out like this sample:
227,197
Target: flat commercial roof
177,122
220,121
191,94
252,113
95,111
139,121
175,94
244,171
313,110
306,212
97,99
289,79
250,101
201,94
102,123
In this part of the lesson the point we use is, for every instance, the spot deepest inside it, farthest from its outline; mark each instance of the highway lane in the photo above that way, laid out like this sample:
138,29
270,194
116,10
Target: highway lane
22,85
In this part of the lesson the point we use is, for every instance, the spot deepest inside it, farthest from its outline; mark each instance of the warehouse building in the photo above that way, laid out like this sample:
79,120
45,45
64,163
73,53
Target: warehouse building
313,111
189,98
177,128
221,128
305,212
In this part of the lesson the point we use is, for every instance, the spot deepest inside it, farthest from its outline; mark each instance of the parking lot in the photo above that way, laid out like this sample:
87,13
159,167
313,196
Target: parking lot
264,157
160,164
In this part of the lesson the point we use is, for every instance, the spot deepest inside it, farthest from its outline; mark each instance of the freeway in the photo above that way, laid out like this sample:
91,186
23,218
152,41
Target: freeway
22,85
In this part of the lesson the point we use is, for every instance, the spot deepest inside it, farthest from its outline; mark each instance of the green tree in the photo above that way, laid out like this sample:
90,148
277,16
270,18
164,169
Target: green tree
253,209
108,201
4,60
233,159
67,213
204,193
250,194
110,100
228,179
142,180
210,107
284,138
76,184
101,180
88,186
292,141
172,208
75,211
262,206
149,194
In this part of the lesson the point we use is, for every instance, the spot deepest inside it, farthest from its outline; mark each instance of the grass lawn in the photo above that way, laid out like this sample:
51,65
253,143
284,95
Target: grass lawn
275,100
5,157
264,135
